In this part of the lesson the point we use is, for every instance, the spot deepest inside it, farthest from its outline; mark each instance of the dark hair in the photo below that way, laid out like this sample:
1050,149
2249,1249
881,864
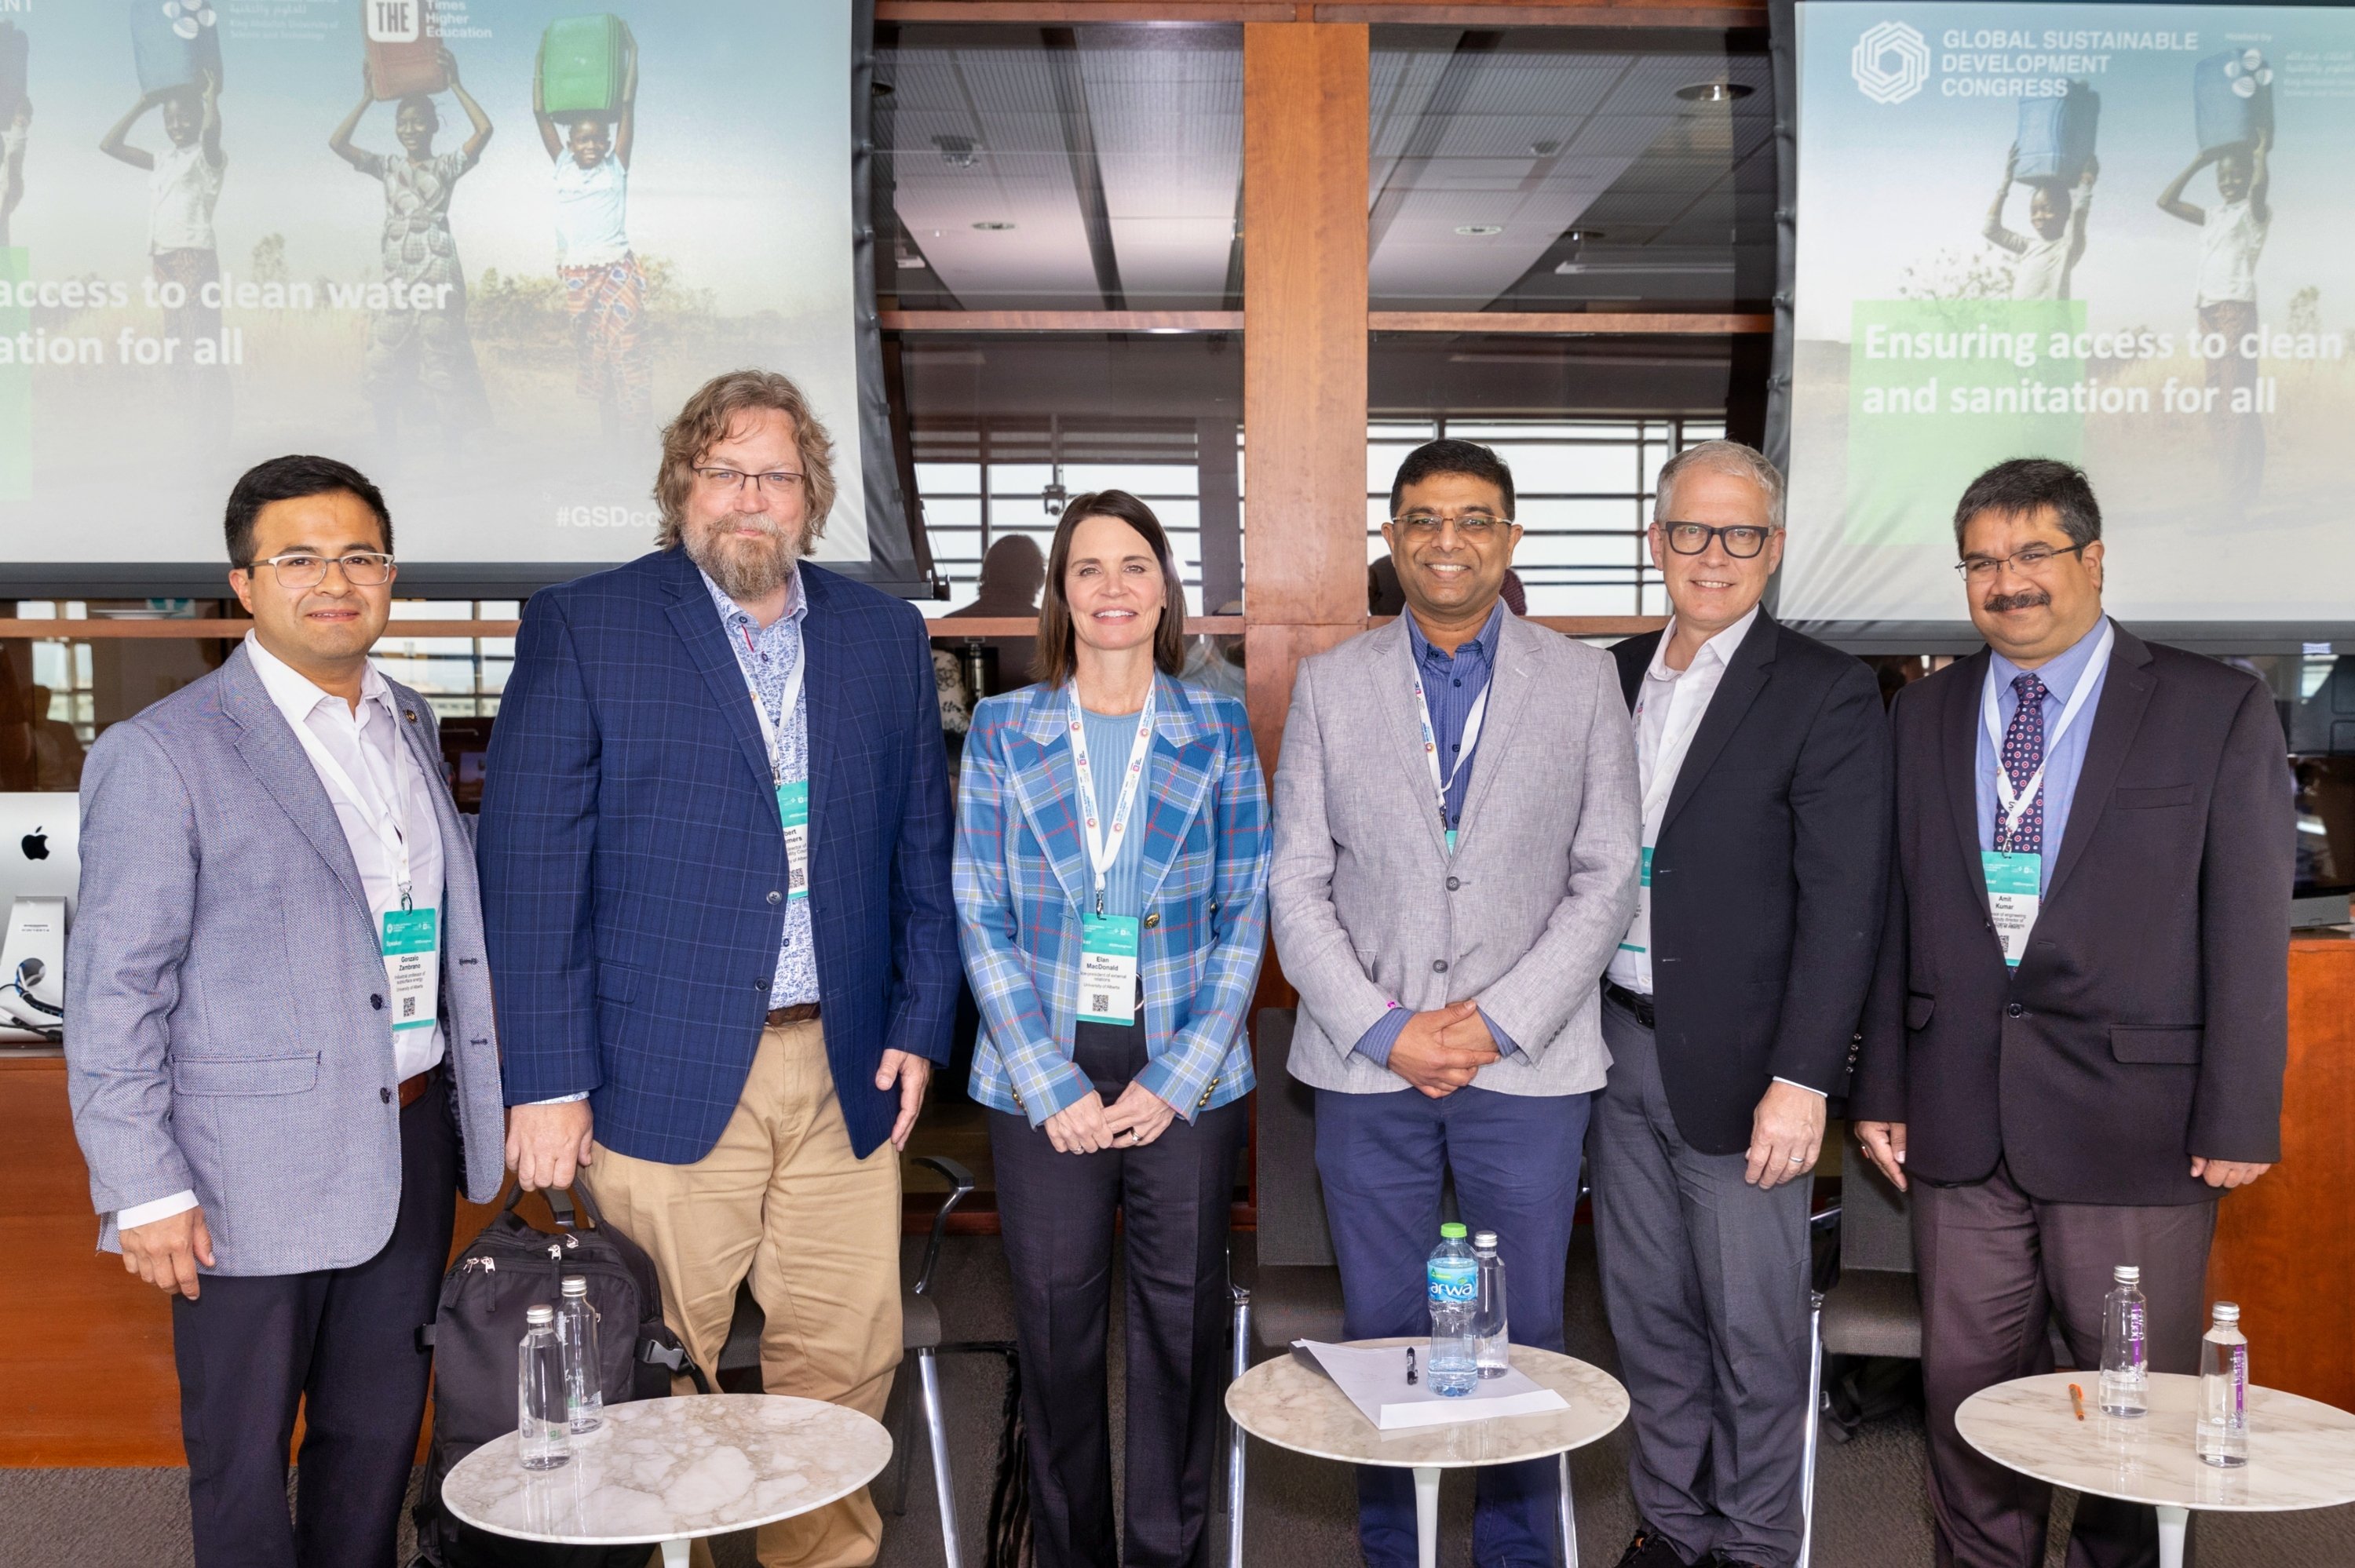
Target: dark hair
1467,458
291,479
423,101
1058,651
2025,485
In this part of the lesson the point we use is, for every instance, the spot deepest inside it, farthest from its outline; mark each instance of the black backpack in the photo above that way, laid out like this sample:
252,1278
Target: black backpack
509,1268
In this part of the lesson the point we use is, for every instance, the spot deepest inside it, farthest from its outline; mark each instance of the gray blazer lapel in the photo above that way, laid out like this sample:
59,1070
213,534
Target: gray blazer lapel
1509,693
279,761
1390,668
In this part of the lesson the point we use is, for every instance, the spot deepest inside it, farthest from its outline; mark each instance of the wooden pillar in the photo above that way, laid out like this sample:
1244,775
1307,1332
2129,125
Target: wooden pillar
1305,139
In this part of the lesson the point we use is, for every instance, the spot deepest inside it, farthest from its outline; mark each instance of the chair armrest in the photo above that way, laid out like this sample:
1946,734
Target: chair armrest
961,1185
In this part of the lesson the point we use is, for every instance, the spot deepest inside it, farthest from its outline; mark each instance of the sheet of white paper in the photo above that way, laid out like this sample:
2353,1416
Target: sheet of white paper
1375,1382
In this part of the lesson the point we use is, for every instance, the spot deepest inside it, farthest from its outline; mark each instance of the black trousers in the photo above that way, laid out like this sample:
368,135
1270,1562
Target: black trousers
1056,1212
251,1347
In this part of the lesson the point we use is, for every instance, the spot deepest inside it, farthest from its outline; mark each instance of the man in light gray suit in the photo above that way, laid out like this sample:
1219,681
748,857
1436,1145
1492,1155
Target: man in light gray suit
1456,829
278,1031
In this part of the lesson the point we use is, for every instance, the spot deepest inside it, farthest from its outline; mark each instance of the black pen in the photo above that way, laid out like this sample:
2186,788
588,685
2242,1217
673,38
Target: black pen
1410,1365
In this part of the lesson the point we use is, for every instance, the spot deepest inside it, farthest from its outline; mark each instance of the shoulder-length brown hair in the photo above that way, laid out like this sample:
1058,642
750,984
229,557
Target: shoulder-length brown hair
1058,653
707,420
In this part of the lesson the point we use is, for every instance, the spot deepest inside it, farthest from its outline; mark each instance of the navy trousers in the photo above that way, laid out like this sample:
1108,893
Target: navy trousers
1515,1159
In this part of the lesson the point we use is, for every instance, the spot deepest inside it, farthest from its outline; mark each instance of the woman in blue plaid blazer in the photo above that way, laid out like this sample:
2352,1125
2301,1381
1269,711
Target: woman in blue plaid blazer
1112,892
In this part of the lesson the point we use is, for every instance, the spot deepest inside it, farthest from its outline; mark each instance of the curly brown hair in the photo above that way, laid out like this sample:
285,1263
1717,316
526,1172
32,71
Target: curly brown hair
710,415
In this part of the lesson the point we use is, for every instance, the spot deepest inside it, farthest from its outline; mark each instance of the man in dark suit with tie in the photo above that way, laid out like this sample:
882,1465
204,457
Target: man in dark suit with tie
2077,1031
715,862
1730,1010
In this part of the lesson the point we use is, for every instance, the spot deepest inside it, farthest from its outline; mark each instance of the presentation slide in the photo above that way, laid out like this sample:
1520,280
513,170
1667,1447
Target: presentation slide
481,248
2116,235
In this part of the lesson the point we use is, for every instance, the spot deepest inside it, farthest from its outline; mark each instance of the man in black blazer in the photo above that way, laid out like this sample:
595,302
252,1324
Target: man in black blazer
1730,1010
2078,1027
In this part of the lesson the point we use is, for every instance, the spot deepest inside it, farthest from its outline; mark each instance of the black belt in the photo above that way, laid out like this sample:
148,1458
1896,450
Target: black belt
1634,1002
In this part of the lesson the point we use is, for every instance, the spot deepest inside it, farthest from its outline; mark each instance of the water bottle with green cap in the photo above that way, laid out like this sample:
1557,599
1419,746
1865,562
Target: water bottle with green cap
1453,1366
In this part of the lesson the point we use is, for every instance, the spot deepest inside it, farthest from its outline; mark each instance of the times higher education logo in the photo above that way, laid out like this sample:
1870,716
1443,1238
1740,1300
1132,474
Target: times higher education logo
394,21
1891,62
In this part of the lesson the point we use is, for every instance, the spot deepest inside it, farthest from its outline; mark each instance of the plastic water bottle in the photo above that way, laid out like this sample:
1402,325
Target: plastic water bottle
1492,1347
2221,1436
2126,1357
1452,1368
543,1429
584,1376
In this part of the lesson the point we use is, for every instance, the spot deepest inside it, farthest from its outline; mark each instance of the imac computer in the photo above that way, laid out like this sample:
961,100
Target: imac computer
39,837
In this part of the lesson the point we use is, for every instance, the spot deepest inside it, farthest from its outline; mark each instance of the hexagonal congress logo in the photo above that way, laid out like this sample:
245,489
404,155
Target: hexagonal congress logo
1890,62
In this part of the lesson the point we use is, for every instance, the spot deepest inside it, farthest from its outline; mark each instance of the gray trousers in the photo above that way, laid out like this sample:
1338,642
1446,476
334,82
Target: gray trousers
1996,1265
1705,1278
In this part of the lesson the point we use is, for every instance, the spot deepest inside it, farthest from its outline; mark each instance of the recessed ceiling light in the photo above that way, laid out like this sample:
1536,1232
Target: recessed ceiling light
1715,91
1479,230
956,151
1544,149
993,228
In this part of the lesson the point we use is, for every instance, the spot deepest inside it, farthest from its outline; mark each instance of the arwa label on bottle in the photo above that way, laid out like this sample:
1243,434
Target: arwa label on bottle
1453,1283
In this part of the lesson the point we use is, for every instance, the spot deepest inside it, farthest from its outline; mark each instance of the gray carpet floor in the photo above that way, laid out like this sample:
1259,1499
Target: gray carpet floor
1300,1511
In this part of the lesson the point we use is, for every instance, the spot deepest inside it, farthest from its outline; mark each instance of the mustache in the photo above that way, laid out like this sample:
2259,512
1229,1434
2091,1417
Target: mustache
2027,598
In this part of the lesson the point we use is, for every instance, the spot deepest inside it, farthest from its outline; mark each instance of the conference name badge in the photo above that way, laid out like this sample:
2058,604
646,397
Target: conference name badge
1108,969
2012,881
412,965
792,809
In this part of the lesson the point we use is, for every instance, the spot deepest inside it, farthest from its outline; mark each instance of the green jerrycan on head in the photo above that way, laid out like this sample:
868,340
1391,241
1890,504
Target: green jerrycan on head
584,62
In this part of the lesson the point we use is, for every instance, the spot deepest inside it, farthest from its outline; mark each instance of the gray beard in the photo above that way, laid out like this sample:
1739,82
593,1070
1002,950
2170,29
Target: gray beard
742,571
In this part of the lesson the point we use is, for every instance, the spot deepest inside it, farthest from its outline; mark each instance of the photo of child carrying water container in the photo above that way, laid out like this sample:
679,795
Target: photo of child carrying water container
584,97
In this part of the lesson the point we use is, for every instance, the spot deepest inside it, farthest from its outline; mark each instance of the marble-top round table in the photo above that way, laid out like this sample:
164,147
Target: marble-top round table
2301,1452
667,1471
1299,1407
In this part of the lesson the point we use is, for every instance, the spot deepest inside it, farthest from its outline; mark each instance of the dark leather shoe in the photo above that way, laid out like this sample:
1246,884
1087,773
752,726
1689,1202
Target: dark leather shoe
1650,1549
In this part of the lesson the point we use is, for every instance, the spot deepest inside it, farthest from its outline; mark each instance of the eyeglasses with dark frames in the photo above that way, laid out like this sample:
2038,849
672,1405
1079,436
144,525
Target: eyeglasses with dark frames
1742,540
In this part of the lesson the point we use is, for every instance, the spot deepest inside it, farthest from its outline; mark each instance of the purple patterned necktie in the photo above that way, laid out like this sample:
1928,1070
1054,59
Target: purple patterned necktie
2023,753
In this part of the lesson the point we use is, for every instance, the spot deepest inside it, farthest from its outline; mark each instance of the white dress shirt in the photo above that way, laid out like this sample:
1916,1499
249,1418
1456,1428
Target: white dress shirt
377,761
1669,706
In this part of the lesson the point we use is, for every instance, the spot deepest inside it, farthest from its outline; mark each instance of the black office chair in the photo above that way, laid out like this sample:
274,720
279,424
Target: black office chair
919,1345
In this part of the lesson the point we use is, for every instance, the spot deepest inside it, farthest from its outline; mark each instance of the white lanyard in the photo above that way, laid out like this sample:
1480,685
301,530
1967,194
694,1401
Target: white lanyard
1102,850
771,732
2011,807
389,821
1463,745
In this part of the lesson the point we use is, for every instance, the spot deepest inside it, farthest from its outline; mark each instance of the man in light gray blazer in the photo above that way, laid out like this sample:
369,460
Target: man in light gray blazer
1457,830
278,1031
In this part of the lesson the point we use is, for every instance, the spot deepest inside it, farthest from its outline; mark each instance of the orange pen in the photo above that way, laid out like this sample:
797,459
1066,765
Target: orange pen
2077,1401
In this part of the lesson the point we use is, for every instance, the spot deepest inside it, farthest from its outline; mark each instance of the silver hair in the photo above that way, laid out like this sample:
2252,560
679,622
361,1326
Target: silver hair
1729,458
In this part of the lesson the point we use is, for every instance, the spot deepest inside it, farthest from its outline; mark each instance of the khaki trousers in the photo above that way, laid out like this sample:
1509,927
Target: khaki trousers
780,1200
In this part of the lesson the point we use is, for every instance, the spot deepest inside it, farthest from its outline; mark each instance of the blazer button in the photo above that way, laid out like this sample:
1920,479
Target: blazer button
2013,1010
1439,966
377,1002
1152,920
384,1096
1453,882
776,898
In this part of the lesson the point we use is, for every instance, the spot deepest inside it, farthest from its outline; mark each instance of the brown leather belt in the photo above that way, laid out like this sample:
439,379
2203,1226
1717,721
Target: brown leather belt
412,1089
799,1012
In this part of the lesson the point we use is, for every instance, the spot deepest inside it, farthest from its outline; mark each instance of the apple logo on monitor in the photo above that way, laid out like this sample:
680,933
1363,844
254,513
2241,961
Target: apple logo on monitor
36,844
